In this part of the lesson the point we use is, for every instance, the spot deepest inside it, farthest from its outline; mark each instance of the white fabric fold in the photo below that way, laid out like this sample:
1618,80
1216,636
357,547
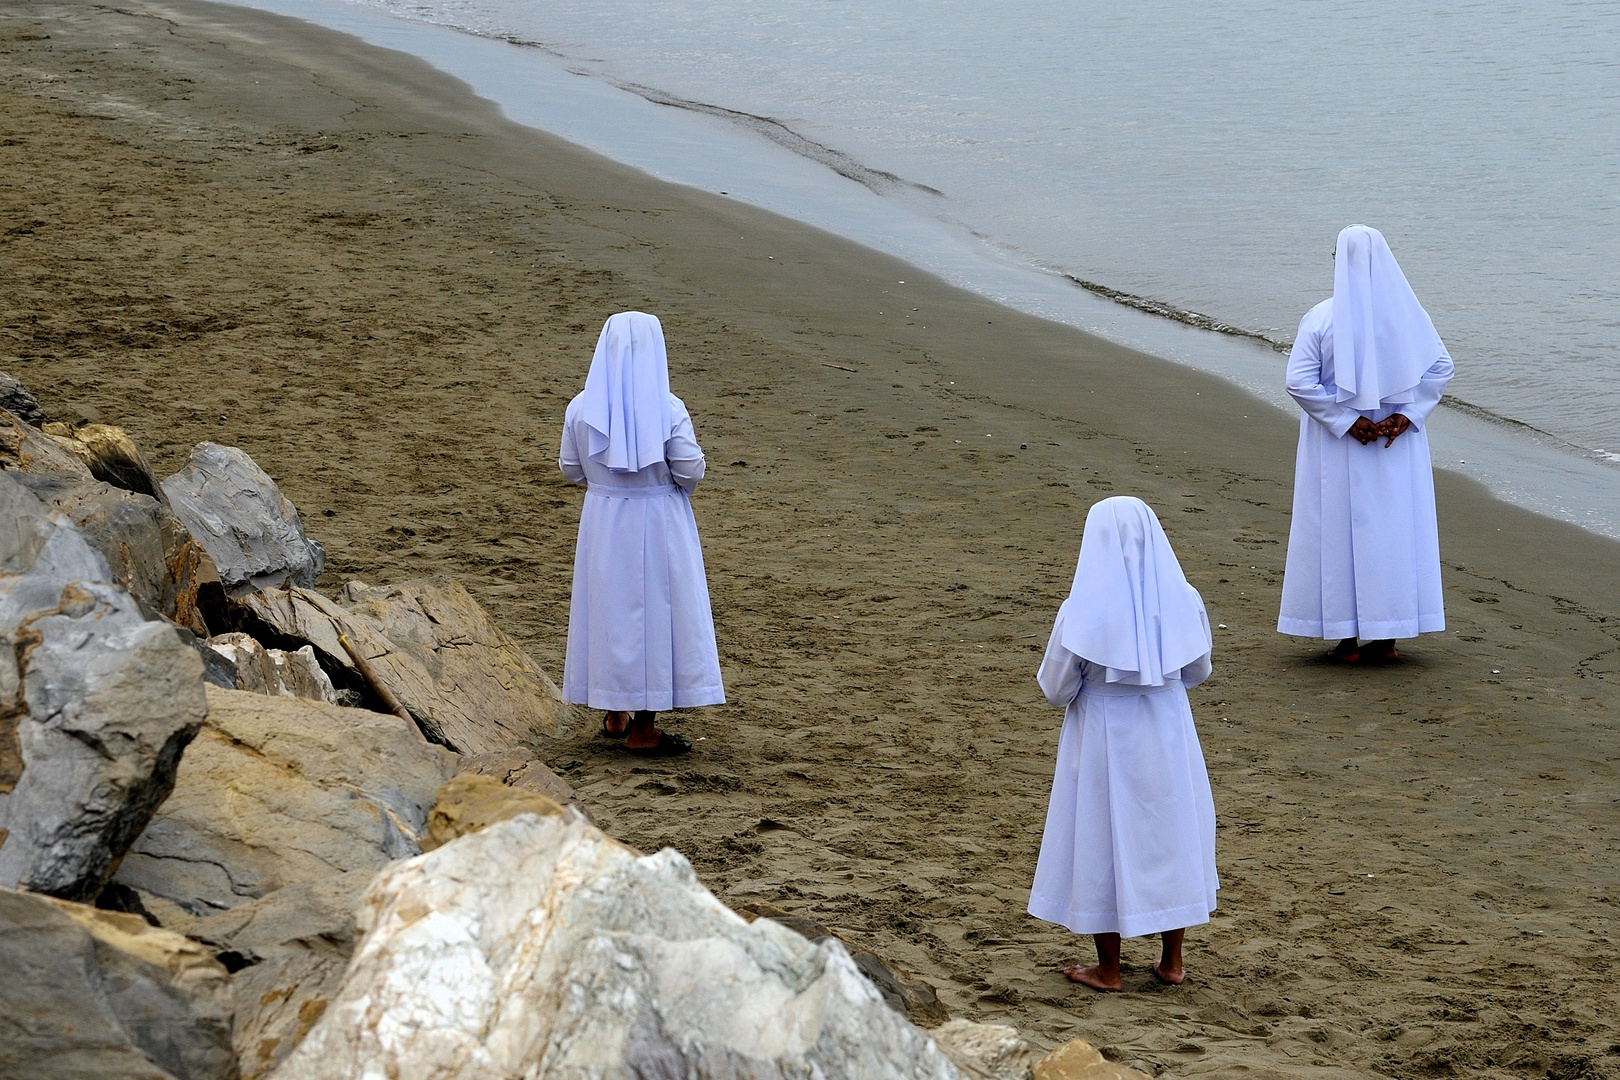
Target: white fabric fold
1131,609
626,400
1383,340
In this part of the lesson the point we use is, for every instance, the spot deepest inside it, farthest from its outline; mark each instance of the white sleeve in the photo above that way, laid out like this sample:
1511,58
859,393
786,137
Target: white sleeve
568,455
682,453
1429,390
1059,675
1305,383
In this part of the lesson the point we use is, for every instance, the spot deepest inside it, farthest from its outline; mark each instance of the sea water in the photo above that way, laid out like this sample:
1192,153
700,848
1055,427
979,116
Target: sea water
1086,161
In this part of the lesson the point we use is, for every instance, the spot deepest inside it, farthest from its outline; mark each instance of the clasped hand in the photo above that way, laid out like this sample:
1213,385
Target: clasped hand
1390,427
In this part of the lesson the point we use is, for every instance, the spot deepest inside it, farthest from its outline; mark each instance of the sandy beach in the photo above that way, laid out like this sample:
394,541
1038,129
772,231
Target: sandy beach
220,224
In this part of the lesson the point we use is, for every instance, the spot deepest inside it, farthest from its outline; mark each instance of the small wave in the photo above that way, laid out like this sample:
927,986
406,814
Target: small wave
1169,311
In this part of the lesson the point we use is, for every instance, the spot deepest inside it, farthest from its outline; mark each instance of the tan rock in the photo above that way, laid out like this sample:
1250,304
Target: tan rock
469,686
26,449
109,453
520,769
469,803
1079,1060
280,790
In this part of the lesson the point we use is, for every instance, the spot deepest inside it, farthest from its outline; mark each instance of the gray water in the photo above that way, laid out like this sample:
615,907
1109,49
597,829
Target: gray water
1200,159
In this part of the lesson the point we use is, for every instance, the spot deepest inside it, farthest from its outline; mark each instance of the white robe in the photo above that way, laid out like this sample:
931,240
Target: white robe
1364,544
1129,846
640,634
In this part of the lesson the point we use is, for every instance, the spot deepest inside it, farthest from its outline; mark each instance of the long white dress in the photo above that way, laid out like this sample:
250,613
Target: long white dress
640,633
1364,544
1129,846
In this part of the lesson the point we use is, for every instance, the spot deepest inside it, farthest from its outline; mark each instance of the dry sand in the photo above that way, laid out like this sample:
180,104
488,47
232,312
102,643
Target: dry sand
217,224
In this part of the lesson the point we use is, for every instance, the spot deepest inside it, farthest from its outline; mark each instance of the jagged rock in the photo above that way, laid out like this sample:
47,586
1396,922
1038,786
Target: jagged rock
149,551
521,770
248,526
26,449
96,705
279,790
287,953
109,453
914,998
541,947
469,686
986,1051
274,671
1079,1060
19,402
98,995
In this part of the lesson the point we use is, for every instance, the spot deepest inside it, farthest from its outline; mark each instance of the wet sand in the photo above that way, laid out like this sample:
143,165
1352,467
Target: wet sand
218,224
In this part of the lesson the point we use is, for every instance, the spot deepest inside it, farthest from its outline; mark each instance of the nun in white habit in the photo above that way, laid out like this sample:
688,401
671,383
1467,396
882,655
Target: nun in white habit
1364,547
1129,847
640,635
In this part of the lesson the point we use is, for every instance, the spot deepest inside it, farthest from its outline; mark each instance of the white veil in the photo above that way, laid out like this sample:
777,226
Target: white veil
1131,608
1383,340
626,398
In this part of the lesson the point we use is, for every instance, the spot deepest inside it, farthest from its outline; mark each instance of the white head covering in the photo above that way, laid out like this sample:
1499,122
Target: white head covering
1383,340
626,398
1131,609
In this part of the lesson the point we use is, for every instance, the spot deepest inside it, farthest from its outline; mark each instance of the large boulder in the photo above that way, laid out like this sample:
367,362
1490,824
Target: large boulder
249,527
99,995
468,685
541,947
96,705
15,399
278,790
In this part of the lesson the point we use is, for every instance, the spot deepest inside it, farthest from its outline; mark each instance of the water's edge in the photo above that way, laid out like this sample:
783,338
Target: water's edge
764,162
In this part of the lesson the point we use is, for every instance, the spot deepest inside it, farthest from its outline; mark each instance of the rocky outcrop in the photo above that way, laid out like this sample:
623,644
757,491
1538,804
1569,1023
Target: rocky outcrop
470,803
98,995
280,790
273,671
109,453
540,947
96,705
1079,1060
287,953
467,684
16,400
250,529
24,448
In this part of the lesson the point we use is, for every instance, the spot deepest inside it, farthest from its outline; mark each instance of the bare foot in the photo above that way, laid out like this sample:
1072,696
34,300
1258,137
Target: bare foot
1175,976
1095,977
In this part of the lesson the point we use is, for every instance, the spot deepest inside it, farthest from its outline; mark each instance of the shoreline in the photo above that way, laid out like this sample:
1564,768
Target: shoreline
224,224
1518,462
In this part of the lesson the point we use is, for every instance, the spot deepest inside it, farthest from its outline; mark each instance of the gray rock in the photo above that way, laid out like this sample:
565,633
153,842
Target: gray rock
99,995
19,402
248,526
986,1051
278,790
258,670
96,705
521,770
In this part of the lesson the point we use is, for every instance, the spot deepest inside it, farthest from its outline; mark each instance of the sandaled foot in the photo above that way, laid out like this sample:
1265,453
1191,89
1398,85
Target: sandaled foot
608,732
1173,976
1345,652
1093,977
668,745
